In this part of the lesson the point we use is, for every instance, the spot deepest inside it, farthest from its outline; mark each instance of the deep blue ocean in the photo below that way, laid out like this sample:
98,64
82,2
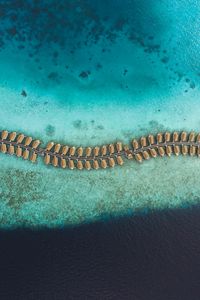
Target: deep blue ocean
88,72
143,258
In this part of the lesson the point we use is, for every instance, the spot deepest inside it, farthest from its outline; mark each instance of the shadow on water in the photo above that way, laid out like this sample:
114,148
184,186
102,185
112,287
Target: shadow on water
156,256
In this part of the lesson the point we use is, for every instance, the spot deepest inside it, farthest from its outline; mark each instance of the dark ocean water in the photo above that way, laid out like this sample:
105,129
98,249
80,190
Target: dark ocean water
142,258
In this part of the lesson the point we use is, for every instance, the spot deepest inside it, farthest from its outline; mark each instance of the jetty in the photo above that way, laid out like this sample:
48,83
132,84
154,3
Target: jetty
72,157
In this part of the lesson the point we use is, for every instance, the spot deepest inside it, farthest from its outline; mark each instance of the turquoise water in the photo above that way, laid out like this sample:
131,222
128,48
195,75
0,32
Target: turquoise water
94,72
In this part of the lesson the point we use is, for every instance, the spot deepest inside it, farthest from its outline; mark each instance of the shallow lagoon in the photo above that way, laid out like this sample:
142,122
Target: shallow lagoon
86,76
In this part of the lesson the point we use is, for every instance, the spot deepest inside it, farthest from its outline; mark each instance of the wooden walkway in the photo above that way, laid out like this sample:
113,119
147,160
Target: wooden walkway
70,157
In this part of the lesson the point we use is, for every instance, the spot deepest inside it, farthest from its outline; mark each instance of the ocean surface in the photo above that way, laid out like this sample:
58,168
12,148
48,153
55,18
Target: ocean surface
77,73
84,72
153,257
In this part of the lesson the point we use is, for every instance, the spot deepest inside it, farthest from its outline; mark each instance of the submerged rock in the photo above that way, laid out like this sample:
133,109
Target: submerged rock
24,93
84,74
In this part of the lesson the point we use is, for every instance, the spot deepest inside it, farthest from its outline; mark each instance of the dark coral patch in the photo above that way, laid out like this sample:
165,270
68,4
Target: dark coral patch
192,85
24,93
84,74
50,130
165,59
100,127
54,76
77,124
